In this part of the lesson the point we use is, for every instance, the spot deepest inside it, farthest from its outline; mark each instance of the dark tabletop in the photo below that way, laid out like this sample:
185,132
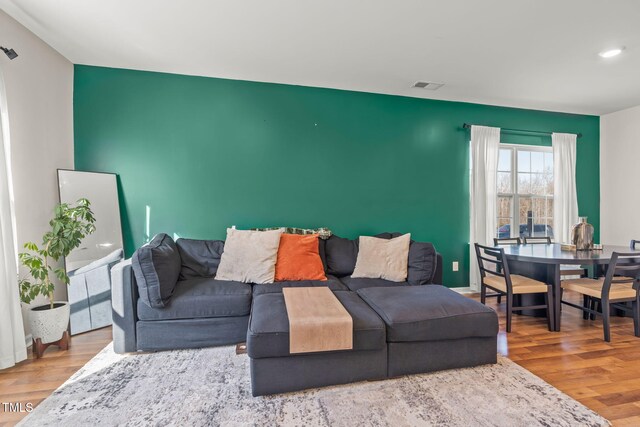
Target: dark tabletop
552,254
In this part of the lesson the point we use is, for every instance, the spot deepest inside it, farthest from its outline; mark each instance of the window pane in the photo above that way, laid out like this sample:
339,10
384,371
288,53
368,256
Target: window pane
504,182
539,210
504,160
548,162
504,228
549,211
524,161
537,161
524,209
548,184
524,183
504,207
538,184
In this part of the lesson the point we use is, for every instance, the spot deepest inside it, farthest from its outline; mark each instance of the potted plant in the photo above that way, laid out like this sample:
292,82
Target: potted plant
69,226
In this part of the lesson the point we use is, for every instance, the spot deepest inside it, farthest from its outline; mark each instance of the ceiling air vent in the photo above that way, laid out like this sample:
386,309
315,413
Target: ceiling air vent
428,85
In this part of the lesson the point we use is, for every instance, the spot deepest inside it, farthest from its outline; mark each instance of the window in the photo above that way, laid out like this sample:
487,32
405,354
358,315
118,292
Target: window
525,191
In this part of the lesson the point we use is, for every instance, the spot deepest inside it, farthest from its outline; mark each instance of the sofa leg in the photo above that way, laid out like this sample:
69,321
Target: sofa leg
241,348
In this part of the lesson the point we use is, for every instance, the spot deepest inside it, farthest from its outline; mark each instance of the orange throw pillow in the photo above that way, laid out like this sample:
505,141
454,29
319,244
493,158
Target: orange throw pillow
299,258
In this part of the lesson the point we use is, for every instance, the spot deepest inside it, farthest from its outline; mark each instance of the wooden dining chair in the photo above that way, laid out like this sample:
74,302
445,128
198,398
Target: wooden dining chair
497,241
620,285
506,241
494,273
593,303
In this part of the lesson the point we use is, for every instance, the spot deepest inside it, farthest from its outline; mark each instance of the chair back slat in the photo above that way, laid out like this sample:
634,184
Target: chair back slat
497,241
627,267
545,240
493,260
494,256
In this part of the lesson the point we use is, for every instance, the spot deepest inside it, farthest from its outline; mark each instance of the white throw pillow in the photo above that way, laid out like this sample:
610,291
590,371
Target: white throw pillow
383,258
249,256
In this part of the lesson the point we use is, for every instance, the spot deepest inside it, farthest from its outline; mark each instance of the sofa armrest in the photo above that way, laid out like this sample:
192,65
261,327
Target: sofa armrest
124,295
437,277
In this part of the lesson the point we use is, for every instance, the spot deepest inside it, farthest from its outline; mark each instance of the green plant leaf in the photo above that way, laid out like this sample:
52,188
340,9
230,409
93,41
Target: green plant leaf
69,225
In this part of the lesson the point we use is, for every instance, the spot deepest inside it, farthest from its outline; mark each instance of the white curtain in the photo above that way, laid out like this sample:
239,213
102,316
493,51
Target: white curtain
12,340
565,197
485,146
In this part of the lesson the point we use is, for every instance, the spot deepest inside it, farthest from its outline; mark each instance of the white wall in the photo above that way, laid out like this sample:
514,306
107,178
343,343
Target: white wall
619,166
39,99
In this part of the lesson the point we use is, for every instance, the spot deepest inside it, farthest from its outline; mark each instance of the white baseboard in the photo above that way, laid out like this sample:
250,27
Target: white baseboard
28,340
466,290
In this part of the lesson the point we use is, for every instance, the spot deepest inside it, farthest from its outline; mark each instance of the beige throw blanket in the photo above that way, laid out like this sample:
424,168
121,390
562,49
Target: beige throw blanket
317,321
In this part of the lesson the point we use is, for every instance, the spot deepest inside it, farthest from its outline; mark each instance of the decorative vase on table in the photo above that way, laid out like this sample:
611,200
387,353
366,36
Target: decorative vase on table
582,235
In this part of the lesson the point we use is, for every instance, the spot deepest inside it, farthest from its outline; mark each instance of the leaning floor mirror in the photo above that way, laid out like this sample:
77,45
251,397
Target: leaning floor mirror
89,265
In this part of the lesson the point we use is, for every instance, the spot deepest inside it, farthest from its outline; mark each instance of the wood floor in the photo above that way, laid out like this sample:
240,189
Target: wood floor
603,376
34,379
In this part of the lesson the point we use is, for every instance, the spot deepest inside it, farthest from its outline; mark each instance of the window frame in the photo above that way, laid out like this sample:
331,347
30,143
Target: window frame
515,195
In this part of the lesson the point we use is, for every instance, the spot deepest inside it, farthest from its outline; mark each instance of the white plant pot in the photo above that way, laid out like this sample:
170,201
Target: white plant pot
49,324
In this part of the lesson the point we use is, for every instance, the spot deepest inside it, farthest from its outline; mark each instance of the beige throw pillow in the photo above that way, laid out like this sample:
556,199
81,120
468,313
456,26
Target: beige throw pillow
383,258
249,256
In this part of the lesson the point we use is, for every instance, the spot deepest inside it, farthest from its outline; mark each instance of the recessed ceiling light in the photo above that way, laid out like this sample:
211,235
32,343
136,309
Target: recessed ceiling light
611,52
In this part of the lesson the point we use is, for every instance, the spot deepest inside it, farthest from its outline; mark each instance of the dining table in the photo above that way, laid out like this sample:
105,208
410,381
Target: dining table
543,262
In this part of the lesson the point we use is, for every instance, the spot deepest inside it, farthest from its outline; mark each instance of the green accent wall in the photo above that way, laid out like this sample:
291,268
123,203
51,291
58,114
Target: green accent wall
195,155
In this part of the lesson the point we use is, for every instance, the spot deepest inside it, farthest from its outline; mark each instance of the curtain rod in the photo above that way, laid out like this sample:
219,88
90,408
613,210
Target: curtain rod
539,132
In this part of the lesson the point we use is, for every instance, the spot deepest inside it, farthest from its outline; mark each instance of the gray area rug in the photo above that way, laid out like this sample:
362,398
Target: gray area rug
211,387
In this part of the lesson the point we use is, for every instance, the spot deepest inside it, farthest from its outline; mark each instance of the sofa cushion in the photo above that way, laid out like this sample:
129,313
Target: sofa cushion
268,334
429,313
341,255
355,283
202,298
423,262
332,283
299,258
322,244
383,258
156,266
249,256
200,258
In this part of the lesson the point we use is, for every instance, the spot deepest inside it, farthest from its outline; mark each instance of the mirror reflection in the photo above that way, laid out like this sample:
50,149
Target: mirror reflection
89,265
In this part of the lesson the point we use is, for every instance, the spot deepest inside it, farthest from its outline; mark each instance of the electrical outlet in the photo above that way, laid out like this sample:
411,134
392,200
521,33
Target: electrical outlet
455,266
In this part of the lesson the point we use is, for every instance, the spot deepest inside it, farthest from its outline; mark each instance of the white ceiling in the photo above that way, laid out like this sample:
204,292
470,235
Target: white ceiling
533,54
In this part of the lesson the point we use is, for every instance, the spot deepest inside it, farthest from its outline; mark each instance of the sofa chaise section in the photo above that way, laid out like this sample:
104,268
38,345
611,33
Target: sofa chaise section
431,328
275,370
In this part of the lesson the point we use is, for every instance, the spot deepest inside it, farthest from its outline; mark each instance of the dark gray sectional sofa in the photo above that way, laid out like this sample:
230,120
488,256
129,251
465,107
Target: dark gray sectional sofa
166,297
